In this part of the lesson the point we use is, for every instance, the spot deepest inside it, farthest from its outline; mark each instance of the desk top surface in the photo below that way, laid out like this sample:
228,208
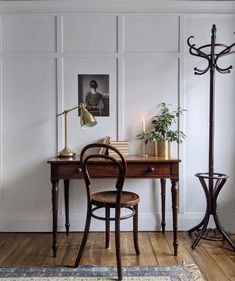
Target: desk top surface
129,159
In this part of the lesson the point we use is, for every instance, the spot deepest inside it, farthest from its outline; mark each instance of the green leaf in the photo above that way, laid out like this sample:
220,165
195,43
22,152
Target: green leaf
161,125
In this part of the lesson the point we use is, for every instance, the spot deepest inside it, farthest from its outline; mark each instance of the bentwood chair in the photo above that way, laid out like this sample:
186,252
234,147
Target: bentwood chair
114,198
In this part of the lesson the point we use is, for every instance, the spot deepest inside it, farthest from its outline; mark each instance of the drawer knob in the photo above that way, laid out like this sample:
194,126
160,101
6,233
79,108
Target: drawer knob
151,169
79,170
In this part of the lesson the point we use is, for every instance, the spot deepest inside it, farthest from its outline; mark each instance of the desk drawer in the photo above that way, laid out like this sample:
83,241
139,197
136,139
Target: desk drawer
96,171
134,170
70,172
149,170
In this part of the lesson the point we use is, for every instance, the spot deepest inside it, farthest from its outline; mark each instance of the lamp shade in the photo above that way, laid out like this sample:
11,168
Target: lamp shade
86,118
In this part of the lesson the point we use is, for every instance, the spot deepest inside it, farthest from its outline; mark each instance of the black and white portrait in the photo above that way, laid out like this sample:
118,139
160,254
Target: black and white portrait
93,91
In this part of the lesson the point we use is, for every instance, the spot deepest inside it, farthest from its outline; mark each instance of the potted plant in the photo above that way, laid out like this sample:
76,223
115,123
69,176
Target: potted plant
162,133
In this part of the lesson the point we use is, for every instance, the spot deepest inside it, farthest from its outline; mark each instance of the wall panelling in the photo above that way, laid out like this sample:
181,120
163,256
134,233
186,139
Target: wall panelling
145,54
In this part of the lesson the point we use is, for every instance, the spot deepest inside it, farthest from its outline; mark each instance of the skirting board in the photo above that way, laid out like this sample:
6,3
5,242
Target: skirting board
43,223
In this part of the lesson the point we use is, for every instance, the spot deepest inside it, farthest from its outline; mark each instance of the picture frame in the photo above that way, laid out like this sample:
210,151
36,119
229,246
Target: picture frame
93,91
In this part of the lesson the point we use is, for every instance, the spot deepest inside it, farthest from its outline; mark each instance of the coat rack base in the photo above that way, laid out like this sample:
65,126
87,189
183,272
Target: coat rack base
211,234
212,185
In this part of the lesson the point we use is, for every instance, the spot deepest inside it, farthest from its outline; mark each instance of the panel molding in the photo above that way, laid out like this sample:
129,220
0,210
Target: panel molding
1,135
1,118
151,38
149,220
117,6
181,102
89,33
29,33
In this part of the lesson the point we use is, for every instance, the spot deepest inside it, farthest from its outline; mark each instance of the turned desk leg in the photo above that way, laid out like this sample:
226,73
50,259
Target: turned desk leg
54,199
174,193
66,203
163,198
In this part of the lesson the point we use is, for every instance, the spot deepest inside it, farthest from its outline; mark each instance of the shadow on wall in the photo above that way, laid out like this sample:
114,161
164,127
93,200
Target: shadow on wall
226,211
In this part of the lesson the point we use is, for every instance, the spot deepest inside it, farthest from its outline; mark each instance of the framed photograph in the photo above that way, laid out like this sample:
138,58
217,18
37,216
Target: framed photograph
93,91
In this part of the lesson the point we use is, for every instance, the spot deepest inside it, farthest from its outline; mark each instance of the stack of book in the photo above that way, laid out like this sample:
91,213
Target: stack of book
122,146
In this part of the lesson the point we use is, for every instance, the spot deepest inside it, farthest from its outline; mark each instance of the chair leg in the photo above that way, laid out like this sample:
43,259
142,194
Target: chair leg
135,230
117,243
84,239
107,227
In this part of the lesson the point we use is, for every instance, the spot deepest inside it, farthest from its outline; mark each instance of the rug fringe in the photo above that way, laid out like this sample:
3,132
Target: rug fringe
194,271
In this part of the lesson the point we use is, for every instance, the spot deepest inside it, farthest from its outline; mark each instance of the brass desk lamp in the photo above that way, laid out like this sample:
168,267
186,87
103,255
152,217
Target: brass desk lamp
86,120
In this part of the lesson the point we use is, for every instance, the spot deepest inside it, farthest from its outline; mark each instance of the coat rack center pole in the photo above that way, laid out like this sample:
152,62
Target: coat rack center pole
212,113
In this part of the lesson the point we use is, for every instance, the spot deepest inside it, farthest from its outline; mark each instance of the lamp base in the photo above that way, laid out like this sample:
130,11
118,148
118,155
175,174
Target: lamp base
66,152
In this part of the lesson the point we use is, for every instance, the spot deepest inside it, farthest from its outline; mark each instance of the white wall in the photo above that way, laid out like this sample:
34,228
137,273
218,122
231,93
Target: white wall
143,49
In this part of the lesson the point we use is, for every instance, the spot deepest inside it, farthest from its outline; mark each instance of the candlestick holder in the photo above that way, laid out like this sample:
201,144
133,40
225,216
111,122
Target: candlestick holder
143,147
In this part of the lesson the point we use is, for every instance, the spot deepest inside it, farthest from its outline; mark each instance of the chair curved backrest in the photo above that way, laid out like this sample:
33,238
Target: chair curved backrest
113,155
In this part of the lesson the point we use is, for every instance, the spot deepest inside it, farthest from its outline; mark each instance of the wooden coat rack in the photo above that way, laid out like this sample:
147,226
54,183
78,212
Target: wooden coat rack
211,182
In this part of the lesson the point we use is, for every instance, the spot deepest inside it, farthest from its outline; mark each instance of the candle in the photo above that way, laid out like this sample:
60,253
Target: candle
143,139
143,124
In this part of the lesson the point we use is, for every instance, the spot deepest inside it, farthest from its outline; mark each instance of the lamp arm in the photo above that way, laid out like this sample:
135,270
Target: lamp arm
75,107
86,119
65,112
71,109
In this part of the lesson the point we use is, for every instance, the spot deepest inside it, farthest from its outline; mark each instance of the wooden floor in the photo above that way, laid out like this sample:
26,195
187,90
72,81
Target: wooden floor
215,259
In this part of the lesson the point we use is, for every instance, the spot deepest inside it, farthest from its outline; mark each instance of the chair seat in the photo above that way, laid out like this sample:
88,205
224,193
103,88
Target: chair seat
108,199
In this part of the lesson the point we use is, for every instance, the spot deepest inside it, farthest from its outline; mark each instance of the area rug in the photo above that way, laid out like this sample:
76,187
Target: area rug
101,273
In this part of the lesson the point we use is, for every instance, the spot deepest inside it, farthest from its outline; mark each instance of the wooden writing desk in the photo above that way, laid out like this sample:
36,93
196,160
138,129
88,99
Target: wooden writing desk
137,167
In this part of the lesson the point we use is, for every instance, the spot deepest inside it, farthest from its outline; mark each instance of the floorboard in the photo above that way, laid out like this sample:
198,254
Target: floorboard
215,259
